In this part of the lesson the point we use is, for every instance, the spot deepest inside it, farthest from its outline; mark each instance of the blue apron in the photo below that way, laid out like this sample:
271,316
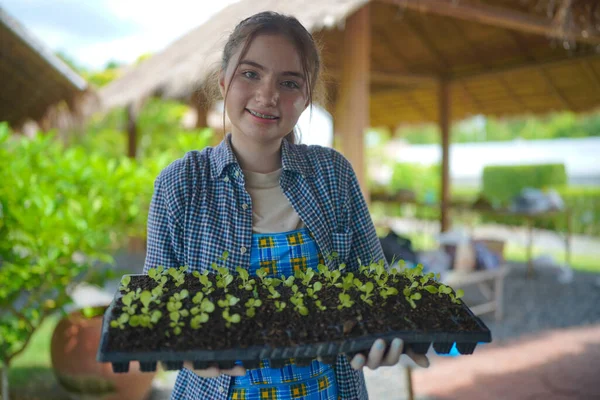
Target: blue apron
283,254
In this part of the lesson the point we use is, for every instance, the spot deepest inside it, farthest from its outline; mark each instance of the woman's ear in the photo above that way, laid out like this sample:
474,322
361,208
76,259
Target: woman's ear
222,83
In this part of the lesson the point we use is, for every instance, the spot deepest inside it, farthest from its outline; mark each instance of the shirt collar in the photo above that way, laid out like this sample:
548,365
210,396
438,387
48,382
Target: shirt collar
293,158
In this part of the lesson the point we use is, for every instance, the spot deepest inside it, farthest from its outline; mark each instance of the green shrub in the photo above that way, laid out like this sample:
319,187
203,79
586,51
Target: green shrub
422,179
62,213
584,205
502,183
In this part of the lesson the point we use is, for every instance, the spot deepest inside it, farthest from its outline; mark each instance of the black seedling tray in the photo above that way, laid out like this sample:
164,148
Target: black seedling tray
418,342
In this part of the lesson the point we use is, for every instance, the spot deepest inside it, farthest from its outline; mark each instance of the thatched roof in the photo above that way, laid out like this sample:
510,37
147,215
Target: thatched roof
32,78
501,57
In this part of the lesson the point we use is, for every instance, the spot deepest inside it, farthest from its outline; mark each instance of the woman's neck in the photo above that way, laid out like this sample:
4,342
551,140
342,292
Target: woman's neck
257,157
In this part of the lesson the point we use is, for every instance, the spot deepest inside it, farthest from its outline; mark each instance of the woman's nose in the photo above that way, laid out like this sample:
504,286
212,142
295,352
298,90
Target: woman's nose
268,94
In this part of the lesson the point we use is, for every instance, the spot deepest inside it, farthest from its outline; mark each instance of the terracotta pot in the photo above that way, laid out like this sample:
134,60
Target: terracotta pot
73,352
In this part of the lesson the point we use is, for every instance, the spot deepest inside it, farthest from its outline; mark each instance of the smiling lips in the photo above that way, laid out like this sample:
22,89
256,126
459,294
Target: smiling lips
262,117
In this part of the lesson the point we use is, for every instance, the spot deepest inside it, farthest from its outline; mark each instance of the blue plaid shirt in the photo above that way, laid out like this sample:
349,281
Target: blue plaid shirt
200,209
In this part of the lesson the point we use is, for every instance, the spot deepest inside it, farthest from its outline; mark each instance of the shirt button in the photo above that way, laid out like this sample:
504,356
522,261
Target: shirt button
226,179
243,249
237,173
245,206
221,389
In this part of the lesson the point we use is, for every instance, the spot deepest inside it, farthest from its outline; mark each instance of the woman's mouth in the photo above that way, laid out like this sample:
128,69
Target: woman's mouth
261,116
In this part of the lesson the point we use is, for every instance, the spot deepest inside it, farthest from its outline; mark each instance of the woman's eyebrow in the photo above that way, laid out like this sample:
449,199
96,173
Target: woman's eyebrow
285,73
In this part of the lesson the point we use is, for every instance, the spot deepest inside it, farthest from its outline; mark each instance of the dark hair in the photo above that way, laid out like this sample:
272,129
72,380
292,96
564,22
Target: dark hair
269,22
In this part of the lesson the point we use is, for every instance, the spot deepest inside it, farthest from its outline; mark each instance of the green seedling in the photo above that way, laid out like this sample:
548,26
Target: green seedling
279,305
247,283
120,322
207,286
124,287
178,275
231,319
311,291
251,306
128,305
367,290
345,301
158,275
347,282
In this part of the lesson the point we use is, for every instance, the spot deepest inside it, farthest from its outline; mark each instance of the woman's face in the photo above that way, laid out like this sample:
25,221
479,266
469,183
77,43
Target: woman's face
268,92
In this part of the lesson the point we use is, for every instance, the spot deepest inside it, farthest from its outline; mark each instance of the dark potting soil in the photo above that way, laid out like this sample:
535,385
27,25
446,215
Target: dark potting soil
433,313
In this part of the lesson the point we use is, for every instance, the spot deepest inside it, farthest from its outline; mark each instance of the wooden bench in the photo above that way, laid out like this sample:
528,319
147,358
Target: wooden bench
489,282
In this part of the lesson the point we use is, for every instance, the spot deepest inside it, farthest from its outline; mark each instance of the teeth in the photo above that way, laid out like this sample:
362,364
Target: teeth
262,115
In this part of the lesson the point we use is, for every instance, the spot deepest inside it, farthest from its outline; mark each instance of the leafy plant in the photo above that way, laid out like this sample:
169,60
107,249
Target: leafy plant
158,274
174,306
201,311
367,290
251,306
124,286
128,306
247,283
207,286
178,275
345,301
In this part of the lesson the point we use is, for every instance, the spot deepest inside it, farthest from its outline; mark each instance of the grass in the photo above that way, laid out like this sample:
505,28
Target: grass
37,354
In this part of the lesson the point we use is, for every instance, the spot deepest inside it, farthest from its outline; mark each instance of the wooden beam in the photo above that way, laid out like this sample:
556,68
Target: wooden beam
352,108
500,17
444,121
532,65
403,78
393,78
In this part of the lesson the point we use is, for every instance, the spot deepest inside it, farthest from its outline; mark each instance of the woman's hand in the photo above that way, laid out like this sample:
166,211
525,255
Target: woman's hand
213,372
377,359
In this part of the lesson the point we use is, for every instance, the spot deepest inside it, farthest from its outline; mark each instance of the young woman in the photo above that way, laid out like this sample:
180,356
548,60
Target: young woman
270,203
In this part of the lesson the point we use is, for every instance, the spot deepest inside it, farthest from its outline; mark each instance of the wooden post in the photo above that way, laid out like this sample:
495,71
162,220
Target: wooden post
444,121
352,108
201,114
131,131
200,105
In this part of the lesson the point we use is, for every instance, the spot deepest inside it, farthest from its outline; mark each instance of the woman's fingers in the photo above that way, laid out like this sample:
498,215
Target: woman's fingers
394,352
358,361
376,354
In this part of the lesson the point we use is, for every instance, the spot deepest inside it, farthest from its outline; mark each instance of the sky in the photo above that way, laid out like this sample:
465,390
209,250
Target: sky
94,32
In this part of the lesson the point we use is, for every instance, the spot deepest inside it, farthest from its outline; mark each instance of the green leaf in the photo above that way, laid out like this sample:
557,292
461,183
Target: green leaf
145,298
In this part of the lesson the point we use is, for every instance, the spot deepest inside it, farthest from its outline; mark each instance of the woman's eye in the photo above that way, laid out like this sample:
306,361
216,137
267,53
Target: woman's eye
250,74
291,85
